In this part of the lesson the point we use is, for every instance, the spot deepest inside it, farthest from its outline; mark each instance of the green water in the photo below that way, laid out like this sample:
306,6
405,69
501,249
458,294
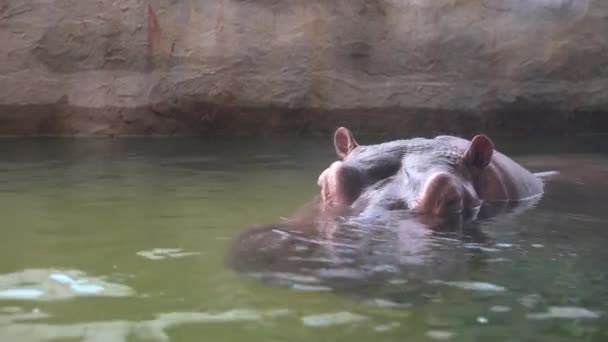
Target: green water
125,240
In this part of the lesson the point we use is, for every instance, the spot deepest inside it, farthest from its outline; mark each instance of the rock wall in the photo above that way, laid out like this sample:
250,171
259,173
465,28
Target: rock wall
101,67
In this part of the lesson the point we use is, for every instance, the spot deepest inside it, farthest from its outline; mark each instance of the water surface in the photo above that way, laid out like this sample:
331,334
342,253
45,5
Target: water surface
125,240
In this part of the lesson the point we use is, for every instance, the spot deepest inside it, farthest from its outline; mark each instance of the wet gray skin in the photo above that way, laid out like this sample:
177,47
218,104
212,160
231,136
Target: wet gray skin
393,176
435,178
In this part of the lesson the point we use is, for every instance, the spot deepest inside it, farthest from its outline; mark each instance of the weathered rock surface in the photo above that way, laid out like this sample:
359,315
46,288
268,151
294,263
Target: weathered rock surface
265,66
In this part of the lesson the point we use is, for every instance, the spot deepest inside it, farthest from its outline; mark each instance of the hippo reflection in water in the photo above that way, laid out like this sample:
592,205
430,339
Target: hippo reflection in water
388,212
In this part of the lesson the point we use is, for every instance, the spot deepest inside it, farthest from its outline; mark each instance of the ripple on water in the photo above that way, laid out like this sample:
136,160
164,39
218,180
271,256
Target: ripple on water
530,300
349,273
154,330
440,335
565,312
398,281
330,319
495,260
21,293
285,277
472,285
386,327
481,247
10,310
384,303
500,308
312,288
164,253
81,286
482,320
49,284
19,314
227,316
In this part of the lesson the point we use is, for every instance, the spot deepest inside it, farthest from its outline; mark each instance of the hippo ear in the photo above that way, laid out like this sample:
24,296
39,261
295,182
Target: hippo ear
479,153
344,142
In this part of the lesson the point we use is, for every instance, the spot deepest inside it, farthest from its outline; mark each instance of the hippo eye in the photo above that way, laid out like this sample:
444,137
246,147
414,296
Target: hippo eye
383,170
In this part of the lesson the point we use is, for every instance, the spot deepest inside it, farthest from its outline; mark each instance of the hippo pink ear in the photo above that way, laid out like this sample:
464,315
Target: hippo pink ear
479,153
344,142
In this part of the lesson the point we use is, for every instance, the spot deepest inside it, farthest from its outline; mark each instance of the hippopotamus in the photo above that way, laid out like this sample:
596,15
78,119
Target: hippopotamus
437,177
383,213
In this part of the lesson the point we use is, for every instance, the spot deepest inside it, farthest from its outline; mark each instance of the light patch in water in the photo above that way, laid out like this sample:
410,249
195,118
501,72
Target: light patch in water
397,281
340,273
42,284
330,319
384,269
500,308
165,253
493,260
285,277
86,289
62,278
386,327
312,288
322,260
440,335
482,320
12,318
530,300
383,303
21,293
168,320
472,285
537,245
481,247
10,310
81,286
203,317
277,312
565,312
504,245
300,248
150,330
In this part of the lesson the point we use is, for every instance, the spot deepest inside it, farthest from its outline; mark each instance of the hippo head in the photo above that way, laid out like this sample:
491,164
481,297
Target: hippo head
430,177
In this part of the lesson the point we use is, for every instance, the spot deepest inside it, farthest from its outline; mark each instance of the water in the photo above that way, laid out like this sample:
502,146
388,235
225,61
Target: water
125,240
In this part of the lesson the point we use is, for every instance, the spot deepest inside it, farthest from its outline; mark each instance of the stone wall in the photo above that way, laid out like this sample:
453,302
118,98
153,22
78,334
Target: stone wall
120,67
